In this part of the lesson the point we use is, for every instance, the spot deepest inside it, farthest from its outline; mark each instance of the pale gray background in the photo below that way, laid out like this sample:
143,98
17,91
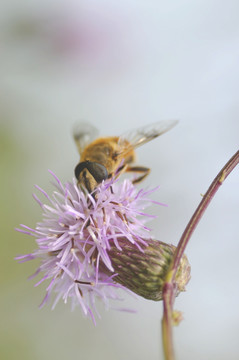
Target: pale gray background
120,66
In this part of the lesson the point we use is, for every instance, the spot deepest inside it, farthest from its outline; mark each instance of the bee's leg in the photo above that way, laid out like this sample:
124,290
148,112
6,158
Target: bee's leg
138,169
120,170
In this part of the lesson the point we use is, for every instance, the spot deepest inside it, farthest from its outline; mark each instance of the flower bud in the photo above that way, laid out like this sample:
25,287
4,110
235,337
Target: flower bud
143,271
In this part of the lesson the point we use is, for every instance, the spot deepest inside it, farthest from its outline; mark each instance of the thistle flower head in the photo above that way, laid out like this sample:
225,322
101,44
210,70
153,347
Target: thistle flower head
78,230
91,244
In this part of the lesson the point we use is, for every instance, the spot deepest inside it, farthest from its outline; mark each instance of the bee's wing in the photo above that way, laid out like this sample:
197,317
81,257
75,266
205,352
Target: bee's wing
138,137
84,134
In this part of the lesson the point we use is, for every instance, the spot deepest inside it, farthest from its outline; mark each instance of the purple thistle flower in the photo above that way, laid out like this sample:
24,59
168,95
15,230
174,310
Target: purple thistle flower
77,234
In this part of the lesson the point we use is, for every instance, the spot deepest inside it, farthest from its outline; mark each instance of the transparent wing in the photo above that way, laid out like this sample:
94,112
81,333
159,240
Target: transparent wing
84,134
138,137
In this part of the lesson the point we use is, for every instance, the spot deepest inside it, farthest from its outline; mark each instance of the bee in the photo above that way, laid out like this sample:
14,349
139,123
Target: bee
101,158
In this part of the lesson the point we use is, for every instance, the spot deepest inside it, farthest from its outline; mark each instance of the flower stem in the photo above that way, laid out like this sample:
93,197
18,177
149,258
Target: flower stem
168,290
167,321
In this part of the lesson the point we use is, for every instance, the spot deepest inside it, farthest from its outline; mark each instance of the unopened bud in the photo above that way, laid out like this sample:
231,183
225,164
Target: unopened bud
144,272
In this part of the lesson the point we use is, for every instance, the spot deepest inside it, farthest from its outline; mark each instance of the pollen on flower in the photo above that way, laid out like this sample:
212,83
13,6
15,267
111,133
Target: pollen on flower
76,235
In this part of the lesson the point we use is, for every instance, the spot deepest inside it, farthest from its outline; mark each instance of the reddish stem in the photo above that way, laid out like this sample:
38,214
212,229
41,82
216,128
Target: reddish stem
167,321
168,291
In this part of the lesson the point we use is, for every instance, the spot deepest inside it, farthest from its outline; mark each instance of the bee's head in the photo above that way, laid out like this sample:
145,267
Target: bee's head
86,170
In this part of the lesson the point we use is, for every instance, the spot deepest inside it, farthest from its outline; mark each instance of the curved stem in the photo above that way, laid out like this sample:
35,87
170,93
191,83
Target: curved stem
168,291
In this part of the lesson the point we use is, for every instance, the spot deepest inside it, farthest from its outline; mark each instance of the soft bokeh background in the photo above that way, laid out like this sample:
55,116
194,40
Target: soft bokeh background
120,65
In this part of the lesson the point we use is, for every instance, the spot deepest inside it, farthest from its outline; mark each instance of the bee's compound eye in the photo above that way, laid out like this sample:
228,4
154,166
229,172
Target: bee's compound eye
98,171
79,168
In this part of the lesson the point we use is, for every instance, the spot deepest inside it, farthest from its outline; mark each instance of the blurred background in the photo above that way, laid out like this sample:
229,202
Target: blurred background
122,65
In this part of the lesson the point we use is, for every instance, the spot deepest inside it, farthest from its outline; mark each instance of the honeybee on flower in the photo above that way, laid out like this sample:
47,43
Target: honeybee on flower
89,246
